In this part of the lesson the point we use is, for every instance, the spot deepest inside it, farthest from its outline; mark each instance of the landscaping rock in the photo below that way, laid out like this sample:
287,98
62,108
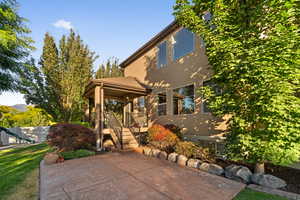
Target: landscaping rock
155,152
268,180
194,163
51,158
163,155
173,157
108,145
238,173
147,151
181,160
212,168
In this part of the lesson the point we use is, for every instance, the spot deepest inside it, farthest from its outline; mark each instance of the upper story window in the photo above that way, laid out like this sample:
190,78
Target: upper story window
162,54
184,100
184,43
162,104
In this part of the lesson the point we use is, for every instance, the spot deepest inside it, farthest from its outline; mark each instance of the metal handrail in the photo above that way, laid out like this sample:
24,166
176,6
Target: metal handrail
113,123
134,124
15,135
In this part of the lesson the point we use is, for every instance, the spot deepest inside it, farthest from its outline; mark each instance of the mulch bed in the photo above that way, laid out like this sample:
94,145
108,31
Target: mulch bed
290,175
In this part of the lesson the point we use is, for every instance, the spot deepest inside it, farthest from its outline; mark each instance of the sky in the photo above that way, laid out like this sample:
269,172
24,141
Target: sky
114,28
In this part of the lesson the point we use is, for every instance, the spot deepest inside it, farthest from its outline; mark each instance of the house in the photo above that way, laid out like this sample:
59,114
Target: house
160,86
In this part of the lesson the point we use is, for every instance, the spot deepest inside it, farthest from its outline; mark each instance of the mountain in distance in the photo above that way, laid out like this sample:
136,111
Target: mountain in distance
20,107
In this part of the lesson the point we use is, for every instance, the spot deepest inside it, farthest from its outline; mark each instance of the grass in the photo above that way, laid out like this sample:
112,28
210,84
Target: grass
18,165
28,189
248,194
77,154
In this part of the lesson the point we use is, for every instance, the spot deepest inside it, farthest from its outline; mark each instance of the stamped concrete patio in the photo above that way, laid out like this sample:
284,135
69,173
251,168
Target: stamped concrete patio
129,175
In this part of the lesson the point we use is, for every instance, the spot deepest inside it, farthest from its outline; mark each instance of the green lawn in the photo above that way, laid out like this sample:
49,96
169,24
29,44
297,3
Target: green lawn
248,194
16,164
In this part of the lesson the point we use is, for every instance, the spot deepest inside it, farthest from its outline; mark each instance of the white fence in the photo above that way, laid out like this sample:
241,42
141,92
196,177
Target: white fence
37,134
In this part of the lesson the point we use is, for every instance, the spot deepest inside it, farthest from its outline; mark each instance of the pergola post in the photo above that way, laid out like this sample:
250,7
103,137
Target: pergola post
99,119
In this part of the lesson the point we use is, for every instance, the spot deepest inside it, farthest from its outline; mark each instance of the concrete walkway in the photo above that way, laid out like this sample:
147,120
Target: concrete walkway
130,175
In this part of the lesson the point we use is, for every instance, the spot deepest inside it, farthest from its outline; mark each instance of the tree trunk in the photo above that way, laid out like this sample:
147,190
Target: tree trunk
259,168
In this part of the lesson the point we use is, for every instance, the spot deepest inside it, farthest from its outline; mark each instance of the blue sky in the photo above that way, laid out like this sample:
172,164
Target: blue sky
110,28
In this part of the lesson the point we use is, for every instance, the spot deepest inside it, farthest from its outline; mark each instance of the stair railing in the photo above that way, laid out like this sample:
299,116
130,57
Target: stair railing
8,132
113,123
135,125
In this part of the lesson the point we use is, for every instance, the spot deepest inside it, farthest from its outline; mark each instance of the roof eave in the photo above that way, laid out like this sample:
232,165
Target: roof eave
156,39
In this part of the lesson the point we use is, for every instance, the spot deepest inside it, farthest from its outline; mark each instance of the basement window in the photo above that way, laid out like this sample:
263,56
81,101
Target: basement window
184,41
162,55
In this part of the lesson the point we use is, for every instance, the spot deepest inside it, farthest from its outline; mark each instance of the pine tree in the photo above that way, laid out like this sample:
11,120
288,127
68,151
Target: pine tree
14,45
109,69
62,76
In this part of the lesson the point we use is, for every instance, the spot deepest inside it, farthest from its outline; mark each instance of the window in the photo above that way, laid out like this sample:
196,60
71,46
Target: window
215,88
184,100
162,54
162,104
184,43
141,104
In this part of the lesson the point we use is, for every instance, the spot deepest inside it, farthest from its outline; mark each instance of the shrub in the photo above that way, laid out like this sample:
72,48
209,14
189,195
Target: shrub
70,137
190,150
187,149
76,154
162,138
174,129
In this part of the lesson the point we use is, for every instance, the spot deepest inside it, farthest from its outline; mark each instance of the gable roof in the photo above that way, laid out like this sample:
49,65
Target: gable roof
151,43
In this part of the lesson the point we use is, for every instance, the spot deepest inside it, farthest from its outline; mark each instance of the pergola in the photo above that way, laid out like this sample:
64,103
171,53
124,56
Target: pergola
123,89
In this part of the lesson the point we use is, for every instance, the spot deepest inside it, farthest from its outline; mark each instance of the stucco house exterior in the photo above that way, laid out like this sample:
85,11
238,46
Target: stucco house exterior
161,86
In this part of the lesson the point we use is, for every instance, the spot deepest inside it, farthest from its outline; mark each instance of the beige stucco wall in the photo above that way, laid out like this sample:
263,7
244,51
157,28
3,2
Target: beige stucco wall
190,69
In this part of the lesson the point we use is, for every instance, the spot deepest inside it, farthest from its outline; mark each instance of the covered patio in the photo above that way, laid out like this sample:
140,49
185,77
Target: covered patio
122,89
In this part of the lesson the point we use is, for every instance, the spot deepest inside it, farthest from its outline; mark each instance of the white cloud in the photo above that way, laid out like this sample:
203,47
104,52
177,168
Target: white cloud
63,24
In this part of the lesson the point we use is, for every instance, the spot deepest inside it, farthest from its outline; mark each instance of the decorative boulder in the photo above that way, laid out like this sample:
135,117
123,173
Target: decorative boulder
173,157
51,158
163,155
147,151
194,163
238,173
212,168
181,160
268,180
155,152
108,145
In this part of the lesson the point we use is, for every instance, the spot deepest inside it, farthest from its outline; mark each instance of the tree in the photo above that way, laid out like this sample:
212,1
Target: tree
254,49
14,45
30,118
57,85
108,70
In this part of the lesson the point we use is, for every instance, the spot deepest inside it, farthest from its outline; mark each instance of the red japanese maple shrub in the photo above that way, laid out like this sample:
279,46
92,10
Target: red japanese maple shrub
162,138
70,137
